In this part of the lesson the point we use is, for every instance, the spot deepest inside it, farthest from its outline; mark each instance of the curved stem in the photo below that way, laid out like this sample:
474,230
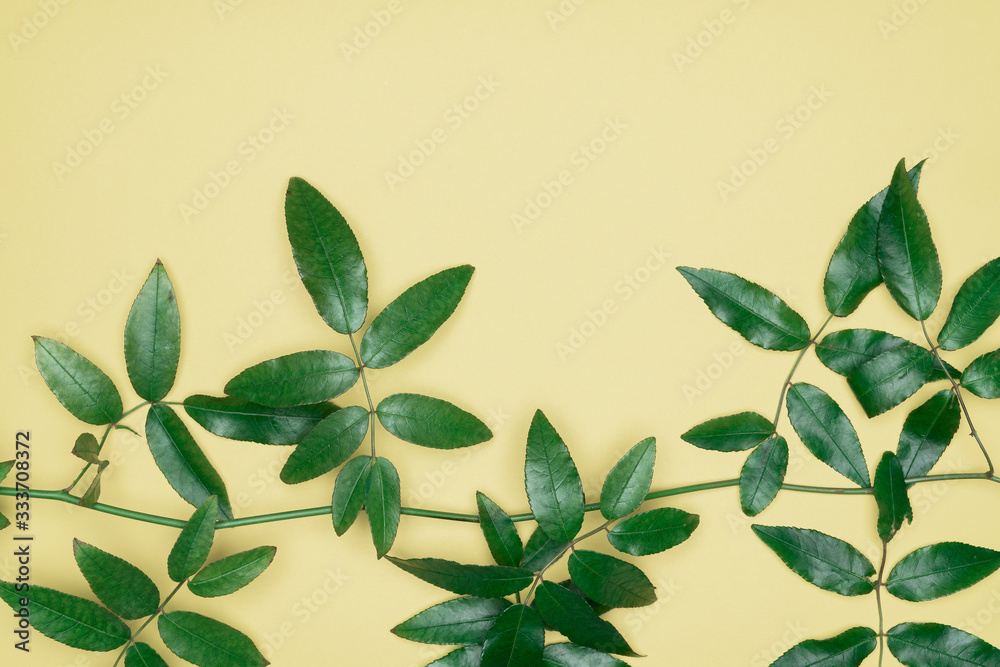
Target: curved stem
878,601
788,379
364,382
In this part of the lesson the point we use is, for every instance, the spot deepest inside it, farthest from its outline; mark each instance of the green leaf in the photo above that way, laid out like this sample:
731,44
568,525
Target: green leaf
327,446
487,581
431,422
5,468
93,492
328,257
190,551
924,644
755,313
499,531
540,549
827,432
413,317
182,462
461,621
890,378
982,376
349,492
382,504
762,475
80,386
573,655
68,619
86,448
555,492
907,257
206,642
153,337
236,419
143,655
610,581
733,433
927,432
890,495
230,574
822,560
627,484
975,309
302,378
599,609
516,639
854,269
941,569
848,649
121,586
4,522
570,614
653,531
843,351
467,656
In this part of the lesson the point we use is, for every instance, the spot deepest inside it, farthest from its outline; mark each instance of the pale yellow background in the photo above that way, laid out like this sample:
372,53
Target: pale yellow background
914,79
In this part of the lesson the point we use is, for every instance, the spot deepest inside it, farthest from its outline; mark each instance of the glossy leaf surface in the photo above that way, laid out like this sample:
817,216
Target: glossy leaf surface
574,655
501,535
975,309
190,550
431,422
327,446
236,419
982,376
467,656
141,654
822,560
570,614
382,504
489,581
540,549
826,431
153,337
555,491
652,531
941,569
610,581
890,378
462,621
206,642
121,586
890,496
68,619
848,649
86,448
762,475
732,433
295,379
926,644
926,433
349,492
83,388
515,640
627,484
230,574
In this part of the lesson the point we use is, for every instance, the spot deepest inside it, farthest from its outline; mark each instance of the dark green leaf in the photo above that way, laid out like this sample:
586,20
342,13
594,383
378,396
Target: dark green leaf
206,642
515,640
827,432
599,609
733,433
926,433
190,551
627,484
382,504
499,531
295,379
93,492
153,337
762,475
755,313
460,621
927,644
573,655
230,574
143,655
891,378
182,462
848,649
68,619
328,257
975,309
121,586
610,581
349,492
540,550
890,495
941,569
86,448
467,656
824,561
982,376
4,522
653,531
487,581
907,257
431,422
555,492
570,614
236,419
843,351
80,386
5,468
854,269
413,317
327,446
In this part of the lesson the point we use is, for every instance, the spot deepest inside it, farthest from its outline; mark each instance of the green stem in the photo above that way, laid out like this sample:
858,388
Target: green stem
788,379
878,602
555,559
364,382
149,620
100,445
